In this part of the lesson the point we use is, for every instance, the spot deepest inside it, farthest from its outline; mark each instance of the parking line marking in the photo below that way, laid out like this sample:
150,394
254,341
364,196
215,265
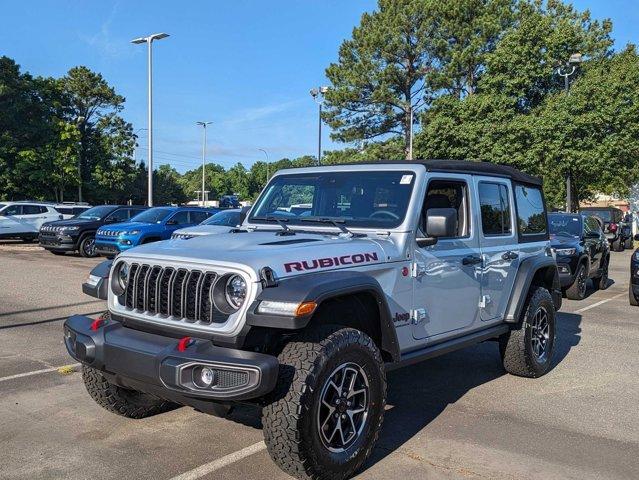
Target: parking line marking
36,372
210,467
596,304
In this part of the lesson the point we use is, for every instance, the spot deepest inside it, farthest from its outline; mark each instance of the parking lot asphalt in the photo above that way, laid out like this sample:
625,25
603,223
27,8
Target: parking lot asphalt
458,416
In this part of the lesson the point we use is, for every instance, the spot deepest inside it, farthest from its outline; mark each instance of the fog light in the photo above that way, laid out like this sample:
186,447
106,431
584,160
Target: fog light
204,377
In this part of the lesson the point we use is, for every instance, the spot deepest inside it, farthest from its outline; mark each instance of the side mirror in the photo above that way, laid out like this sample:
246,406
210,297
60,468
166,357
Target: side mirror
243,214
440,223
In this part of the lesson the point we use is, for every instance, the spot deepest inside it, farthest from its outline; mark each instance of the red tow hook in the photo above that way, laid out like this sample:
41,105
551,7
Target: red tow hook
98,322
184,343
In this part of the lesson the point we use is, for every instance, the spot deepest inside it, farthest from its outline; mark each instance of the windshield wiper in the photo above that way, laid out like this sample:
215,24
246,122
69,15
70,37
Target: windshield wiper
280,221
336,223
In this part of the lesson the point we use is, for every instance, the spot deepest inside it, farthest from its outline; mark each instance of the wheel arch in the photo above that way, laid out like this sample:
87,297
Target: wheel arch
533,271
354,292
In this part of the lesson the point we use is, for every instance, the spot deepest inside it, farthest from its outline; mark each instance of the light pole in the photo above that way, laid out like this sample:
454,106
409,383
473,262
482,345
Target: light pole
566,71
266,154
318,96
80,122
149,42
204,124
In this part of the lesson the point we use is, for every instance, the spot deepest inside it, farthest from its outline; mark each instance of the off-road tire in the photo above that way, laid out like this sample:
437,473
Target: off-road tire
601,282
574,291
634,301
628,244
515,346
291,417
122,401
83,247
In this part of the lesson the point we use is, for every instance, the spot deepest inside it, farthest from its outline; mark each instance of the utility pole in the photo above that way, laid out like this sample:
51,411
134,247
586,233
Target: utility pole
318,96
81,126
567,71
149,41
203,124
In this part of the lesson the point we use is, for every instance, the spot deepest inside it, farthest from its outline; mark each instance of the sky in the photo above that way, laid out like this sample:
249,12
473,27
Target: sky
245,65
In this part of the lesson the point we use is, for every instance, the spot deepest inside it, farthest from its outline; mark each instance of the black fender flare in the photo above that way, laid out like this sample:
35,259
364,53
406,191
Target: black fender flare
528,268
101,289
319,287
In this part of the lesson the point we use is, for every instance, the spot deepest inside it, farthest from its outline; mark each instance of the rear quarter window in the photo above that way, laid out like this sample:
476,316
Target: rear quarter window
531,212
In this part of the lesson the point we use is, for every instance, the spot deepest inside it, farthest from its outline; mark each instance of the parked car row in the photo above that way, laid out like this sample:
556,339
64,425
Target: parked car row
23,219
617,228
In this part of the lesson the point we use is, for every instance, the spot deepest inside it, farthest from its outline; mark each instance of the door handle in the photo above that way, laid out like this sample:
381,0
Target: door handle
509,255
471,260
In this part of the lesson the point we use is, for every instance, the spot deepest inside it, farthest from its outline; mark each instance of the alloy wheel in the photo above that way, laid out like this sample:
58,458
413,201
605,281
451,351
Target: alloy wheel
89,247
581,282
540,334
345,401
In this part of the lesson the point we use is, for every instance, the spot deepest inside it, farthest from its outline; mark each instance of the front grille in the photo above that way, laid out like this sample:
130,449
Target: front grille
50,228
109,233
175,294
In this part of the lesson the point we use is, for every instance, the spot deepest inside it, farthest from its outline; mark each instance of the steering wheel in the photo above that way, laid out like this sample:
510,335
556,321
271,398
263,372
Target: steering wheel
378,213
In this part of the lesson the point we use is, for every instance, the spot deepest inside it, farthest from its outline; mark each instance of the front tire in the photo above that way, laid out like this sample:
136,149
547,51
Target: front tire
631,297
122,401
577,291
528,350
601,282
328,406
87,247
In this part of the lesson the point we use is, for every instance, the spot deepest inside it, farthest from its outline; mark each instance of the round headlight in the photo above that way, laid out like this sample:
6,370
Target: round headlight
120,278
235,291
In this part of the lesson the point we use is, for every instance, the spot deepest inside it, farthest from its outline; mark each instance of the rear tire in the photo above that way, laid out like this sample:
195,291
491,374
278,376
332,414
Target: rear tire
628,244
617,245
328,406
601,282
528,350
577,291
122,401
634,301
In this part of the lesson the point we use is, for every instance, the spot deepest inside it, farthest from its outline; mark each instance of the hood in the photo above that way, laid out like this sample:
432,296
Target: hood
561,241
285,255
126,226
204,230
71,222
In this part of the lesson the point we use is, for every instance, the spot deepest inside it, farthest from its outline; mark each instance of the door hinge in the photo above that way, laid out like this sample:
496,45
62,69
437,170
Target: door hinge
418,315
419,269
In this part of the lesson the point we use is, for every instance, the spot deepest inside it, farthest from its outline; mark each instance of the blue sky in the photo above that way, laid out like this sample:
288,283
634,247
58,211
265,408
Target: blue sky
246,65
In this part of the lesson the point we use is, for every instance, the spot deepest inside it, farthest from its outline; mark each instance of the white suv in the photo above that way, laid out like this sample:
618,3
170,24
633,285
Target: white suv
24,219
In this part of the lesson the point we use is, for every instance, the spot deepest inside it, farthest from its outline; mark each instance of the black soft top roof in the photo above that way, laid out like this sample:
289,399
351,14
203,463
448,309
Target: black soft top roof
466,166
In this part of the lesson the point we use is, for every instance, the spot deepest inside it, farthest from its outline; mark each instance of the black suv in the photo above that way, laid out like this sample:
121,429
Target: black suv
230,201
581,250
611,219
78,233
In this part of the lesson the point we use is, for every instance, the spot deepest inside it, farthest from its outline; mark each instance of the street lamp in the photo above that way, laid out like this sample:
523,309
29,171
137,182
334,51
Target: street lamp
318,96
204,124
566,71
149,41
266,154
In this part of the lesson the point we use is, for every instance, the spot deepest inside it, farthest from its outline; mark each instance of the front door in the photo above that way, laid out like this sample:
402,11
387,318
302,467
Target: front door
447,275
10,221
499,245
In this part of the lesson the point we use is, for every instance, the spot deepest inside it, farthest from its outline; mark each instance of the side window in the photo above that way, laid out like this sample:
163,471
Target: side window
530,210
121,215
495,209
13,210
448,194
32,209
180,218
199,217
592,225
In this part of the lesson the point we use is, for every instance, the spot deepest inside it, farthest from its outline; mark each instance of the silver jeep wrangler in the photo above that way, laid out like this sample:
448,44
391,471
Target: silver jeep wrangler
336,275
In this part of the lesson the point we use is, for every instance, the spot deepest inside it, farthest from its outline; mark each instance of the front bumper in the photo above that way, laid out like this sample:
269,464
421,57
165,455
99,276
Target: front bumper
58,243
154,364
566,277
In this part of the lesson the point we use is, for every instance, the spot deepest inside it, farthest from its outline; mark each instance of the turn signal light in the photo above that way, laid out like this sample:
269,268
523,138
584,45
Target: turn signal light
305,308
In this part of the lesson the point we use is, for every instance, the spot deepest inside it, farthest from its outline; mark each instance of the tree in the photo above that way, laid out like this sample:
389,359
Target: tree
166,186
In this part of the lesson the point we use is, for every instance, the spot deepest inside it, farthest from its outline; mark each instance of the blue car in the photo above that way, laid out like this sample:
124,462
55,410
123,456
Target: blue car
154,224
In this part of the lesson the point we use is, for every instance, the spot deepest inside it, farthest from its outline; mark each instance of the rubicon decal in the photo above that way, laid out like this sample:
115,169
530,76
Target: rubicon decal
328,262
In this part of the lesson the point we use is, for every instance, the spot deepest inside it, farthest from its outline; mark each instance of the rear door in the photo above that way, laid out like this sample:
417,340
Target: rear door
499,245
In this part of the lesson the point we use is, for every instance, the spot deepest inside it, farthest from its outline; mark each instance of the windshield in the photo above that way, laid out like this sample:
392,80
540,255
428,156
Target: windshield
96,213
367,199
152,215
567,225
603,214
2,205
228,218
